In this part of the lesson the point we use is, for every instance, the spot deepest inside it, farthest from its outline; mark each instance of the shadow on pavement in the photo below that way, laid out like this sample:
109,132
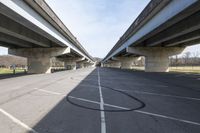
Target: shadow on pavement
67,118
72,115
5,76
184,80
79,116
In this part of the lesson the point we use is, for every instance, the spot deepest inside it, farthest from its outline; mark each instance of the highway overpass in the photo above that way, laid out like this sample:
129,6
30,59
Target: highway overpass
30,28
163,29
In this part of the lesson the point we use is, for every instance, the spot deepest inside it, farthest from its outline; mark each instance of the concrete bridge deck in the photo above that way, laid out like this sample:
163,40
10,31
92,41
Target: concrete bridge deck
163,29
32,30
130,102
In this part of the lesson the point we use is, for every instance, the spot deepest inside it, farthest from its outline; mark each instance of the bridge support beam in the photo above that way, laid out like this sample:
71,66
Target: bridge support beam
39,59
156,58
83,63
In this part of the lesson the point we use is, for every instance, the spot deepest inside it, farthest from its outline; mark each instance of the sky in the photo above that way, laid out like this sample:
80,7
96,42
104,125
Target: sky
98,24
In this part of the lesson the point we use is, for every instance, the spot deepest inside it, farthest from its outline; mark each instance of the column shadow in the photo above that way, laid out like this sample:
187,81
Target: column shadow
7,76
72,115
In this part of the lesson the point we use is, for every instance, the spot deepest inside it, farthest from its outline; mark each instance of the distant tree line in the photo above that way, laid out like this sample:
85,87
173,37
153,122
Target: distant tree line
140,62
188,59
98,61
8,61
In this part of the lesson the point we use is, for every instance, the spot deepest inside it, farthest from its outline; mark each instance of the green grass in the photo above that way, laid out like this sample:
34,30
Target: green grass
183,69
10,71
139,68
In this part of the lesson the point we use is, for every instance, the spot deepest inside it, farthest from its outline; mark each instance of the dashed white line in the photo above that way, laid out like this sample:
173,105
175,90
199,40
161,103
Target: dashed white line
115,106
142,112
15,120
103,122
85,100
50,92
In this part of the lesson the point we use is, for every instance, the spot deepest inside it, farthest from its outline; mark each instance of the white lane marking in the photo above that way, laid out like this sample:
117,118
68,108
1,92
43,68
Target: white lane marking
142,112
168,117
166,95
115,106
90,101
50,92
85,100
15,120
163,95
103,121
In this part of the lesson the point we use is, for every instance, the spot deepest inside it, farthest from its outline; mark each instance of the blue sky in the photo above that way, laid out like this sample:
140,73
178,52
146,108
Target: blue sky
98,24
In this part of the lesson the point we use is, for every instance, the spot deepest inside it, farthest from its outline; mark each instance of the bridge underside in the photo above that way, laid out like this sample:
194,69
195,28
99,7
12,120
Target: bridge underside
167,39
74,61
27,30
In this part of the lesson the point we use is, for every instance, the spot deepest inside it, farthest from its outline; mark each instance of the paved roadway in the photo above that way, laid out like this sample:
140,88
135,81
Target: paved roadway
101,100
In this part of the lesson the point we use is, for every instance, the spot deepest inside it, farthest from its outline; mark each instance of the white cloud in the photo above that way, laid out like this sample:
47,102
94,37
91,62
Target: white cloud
3,51
194,49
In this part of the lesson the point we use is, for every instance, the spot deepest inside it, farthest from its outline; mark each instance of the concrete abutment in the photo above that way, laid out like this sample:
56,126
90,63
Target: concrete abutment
126,62
156,58
39,59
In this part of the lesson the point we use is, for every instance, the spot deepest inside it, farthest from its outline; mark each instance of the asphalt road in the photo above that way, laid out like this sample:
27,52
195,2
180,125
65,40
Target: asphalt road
100,100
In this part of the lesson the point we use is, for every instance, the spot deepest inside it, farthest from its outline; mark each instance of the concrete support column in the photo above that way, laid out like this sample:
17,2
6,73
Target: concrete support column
126,65
156,58
114,64
105,65
39,59
157,62
72,63
126,62
39,65
81,65
88,64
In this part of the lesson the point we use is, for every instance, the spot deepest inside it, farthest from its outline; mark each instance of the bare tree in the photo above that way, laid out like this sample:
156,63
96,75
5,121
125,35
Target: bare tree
187,58
195,58
8,60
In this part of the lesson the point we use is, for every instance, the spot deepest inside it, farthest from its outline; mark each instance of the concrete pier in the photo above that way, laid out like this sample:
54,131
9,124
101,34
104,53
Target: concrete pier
156,58
39,59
